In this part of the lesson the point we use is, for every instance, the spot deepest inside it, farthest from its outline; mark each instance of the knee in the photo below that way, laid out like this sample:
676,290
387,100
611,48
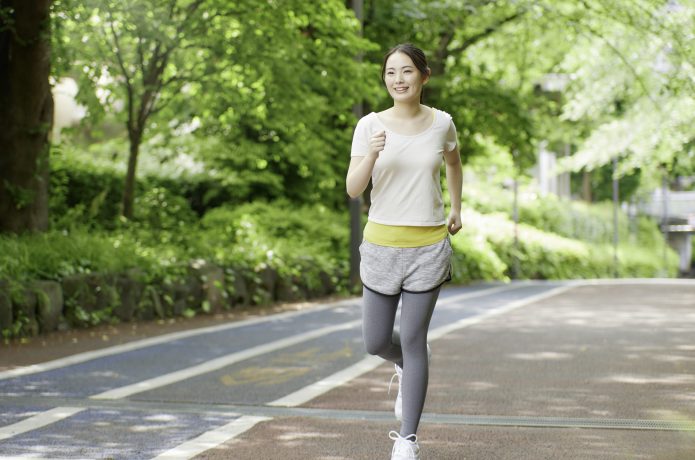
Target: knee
376,345
413,341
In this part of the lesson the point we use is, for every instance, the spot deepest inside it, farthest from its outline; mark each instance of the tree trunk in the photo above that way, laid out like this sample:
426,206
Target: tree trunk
586,186
129,188
26,116
355,204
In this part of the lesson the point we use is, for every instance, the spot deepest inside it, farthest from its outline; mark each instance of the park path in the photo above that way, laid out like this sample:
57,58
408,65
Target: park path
527,370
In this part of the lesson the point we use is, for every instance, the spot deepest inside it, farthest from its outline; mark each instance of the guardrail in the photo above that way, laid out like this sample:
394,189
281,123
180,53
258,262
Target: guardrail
678,209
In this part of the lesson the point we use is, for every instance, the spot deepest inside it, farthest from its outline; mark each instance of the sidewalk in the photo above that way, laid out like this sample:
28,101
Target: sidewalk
616,360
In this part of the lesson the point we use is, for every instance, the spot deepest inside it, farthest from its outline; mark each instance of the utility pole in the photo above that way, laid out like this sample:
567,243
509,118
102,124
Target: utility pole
665,216
355,204
515,214
615,217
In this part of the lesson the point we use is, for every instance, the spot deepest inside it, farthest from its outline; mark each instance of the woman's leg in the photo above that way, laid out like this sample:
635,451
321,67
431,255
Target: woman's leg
378,316
416,313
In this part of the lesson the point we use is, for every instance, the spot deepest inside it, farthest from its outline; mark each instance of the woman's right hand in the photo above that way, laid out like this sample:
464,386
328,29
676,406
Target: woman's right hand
377,143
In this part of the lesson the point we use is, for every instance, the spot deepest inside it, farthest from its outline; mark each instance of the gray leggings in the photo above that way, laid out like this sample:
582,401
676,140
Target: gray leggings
407,349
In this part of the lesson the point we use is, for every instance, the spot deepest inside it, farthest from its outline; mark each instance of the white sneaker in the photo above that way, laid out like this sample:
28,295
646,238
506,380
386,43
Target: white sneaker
398,407
404,449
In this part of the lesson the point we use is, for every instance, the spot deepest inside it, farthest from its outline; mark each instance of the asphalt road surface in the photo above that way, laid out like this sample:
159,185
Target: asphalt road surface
534,370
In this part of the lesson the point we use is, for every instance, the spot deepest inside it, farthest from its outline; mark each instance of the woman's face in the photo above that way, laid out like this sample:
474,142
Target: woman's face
403,80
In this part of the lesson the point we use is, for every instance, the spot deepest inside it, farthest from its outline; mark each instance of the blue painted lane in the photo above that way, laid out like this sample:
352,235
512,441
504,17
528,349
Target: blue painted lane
269,377
116,434
92,377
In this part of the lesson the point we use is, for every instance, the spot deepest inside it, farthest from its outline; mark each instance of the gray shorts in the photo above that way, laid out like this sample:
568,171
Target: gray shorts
388,270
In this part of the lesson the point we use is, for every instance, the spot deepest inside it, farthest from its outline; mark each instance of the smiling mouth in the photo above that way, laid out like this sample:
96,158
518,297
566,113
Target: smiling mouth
400,90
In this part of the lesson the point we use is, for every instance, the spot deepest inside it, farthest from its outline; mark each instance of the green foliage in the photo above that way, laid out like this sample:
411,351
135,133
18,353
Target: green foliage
545,255
571,219
300,244
57,254
83,193
254,82
475,259
159,208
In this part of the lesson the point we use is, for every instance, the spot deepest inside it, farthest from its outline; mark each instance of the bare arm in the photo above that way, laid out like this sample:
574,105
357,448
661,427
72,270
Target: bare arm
454,180
360,170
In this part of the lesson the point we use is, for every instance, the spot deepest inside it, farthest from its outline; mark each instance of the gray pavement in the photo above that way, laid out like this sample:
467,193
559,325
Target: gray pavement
528,371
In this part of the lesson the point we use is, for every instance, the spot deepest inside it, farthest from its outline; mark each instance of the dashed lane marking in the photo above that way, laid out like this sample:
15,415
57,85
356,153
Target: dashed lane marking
465,322
38,421
211,439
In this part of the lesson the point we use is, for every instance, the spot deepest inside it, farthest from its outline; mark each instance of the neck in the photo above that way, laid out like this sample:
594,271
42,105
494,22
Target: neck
406,109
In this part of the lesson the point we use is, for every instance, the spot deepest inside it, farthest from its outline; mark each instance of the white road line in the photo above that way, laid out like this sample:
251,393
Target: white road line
370,363
38,421
138,344
310,392
632,281
218,363
36,457
211,439
443,330
480,293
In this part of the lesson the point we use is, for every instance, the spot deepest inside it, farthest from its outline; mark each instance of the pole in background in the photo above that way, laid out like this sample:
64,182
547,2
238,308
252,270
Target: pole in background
355,205
616,271
664,217
515,214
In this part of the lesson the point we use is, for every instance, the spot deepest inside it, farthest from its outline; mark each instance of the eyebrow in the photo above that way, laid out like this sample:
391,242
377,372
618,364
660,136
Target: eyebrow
404,67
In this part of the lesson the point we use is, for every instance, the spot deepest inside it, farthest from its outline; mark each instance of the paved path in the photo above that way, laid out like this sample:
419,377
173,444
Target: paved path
523,371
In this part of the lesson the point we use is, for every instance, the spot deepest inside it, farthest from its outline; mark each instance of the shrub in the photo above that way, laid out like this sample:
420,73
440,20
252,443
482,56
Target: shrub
54,255
587,222
544,255
475,259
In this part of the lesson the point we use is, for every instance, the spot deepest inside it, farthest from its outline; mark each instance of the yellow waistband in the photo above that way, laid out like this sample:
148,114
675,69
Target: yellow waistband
402,236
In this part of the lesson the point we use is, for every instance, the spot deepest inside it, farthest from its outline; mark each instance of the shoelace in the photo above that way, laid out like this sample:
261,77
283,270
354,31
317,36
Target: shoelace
394,435
397,374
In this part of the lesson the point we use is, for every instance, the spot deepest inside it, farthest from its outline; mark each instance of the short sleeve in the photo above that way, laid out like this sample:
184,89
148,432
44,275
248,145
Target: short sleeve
451,137
360,139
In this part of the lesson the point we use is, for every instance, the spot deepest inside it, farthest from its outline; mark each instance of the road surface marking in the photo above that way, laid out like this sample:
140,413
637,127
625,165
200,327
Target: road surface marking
370,363
481,293
35,457
211,439
443,330
219,363
340,378
38,421
138,344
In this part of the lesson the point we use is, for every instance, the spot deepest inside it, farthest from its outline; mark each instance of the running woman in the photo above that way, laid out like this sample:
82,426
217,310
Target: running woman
406,252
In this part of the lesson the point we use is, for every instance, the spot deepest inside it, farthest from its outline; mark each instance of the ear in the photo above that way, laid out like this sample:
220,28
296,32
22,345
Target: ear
426,77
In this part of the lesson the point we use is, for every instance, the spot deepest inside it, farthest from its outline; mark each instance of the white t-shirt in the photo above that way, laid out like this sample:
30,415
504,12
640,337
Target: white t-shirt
406,188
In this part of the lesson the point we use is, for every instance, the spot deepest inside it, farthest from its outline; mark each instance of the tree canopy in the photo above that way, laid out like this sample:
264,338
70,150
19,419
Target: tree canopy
260,93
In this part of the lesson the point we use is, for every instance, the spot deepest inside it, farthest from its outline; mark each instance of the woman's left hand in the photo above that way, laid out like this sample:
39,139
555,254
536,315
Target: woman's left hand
454,223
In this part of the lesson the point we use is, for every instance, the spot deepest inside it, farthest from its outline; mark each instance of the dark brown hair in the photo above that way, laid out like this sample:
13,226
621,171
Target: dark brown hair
413,52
